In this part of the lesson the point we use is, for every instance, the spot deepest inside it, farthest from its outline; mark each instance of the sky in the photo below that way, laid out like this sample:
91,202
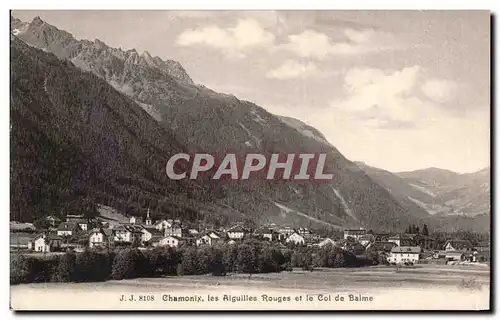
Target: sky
398,90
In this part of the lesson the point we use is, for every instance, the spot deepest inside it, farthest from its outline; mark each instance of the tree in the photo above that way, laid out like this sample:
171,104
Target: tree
425,230
128,264
247,258
64,271
41,224
189,261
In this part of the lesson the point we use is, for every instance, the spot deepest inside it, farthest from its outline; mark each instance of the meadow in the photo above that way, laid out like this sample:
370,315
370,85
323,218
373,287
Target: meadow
411,288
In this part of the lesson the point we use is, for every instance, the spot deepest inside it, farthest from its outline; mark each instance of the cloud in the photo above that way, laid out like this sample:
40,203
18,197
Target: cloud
247,35
440,91
292,69
385,99
314,44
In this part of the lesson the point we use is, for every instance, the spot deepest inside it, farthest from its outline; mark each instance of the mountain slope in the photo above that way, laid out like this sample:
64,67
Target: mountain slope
203,120
74,136
414,199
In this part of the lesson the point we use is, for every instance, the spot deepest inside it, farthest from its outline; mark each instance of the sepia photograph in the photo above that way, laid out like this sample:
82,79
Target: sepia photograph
250,160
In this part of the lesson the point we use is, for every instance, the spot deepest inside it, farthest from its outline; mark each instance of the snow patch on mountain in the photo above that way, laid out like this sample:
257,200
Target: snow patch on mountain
344,204
151,110
257,140
303,129
257,118
423,189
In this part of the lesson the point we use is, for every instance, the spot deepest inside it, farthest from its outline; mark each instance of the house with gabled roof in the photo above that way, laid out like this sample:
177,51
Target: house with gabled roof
68,228
458,245
127,234
45,243
100,237
175,229
326,242
237,232
53,220
148,232
163,224
170,241
210,238
296,239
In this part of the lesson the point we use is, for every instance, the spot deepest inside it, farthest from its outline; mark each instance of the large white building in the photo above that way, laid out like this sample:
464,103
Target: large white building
296,238
400,255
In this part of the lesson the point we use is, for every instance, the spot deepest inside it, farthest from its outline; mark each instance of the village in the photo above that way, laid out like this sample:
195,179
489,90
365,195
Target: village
77,233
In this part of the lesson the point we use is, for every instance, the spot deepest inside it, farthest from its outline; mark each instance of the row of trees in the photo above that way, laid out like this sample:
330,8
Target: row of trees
248,257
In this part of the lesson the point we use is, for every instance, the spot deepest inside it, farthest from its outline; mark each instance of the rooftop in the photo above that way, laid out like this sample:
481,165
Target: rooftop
406,250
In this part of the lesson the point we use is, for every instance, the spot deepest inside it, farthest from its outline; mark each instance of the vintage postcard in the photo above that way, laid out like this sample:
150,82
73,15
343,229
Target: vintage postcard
250,160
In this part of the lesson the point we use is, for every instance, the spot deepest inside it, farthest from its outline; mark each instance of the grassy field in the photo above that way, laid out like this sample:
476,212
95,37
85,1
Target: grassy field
421,287
21,238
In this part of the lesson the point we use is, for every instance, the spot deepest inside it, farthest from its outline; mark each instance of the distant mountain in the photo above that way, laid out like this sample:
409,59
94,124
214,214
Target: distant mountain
200,119
453,200
462,194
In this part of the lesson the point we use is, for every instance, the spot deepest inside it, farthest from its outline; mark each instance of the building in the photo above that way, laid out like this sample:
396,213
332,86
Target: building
148,232
303,231
266,233
285,232
53,220
45,243
127,234
210,238
135,220
366,239
83,224
326,242
236,232
148,221
380,246
458,245
74,217
170,241
204,240
193,232
404,254
163,224
354,233
175,230
68,229
99,237
402,240
455,256
296,239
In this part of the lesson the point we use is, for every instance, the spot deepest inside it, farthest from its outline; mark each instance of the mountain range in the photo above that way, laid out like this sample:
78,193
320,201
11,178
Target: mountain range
440,195
104,121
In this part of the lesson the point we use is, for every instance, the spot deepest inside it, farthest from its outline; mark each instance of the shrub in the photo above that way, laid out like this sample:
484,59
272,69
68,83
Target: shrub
129,263
21,270
64,272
